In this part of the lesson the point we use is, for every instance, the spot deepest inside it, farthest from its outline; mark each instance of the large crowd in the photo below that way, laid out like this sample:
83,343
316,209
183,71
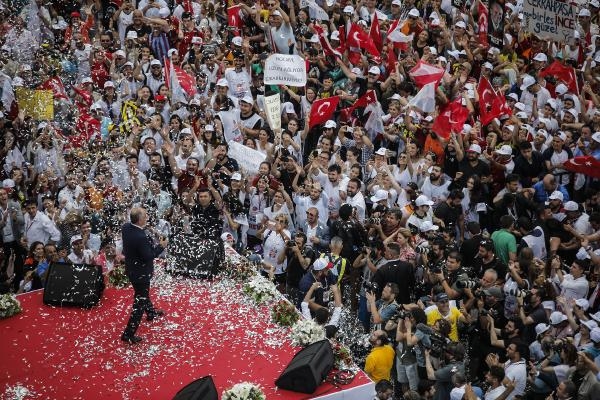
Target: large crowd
470,256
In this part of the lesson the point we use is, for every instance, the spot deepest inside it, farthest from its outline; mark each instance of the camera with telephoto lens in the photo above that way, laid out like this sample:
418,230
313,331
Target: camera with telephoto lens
491,312
372,287
437,342
468,284
373,221
518,292
399,314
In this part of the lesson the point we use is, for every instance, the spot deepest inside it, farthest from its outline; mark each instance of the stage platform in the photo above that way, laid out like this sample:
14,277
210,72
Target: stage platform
210,329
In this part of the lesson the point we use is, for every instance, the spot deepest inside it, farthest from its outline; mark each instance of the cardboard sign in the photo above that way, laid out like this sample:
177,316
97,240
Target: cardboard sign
273,111
550,19
285,69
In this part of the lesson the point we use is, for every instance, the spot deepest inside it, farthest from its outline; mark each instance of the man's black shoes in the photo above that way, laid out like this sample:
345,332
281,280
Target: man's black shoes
131,339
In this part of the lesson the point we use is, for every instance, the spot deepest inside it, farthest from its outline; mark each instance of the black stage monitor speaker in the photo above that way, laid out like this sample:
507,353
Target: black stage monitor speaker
79,285
308,368
200,389
196,257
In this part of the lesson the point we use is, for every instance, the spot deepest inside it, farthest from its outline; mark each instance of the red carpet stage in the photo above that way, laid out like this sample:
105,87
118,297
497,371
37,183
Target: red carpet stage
69,353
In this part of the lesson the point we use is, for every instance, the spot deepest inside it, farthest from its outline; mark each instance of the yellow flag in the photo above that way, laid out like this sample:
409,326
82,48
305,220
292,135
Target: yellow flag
39,104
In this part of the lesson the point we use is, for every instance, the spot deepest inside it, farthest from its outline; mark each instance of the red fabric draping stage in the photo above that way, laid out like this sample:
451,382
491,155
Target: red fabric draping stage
210,329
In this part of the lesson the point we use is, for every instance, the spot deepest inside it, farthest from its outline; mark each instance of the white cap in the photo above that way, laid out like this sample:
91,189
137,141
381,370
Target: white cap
442,59
380,195
427,226
584,12
315,38
362,22
155,62
414,13
356,71
171,52
335,35
248,99
26,67
128,64
556,195
520,106
513,96
196,40
596,137
583,304
397,3
75,238
131,35
488,65
540,57
374,70
528,81
541,328
521,115
595,335
108,84
423,200
382,151
348,10
119,53
225,236
209,127
275,13
223,82
571,206
542,132
475,148
561,135
460,24
194,102
594,3
553,104
236,176
96,106
596,316
320,264
561,88
433,50
557,317
590,323
8,183
505,150
187,131
330,124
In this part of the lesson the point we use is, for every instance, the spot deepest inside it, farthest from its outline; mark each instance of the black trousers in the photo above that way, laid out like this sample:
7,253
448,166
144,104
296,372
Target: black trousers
141,305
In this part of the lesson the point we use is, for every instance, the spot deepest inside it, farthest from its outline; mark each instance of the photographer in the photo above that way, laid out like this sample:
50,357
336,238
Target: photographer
535,312
409,349
452,363
383,309
299,256
433,258
486,259
454,285
369,261
321,314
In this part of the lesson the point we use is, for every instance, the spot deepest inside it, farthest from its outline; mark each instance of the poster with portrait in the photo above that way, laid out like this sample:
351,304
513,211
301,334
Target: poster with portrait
496,23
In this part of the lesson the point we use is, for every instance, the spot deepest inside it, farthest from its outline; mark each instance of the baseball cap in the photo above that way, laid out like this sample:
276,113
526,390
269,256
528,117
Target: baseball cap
414,13
87,79
595,335
226,236
596,316
540,57
119,53
584,12
248,99
8,184
382,151
196,40
335,35
556,195
441,297
330,124
131,35
275,13
494,291
223,82
348,10
541,328
96,106
380,195
528,81
521,115
561,88
488,65
374,70
590,324
427,226
423,200
237,41
596,136
520,106
236,176
155,62
75,238
571,206
557,317
320,264
583,303
108,84
209,127
505,150
460,24
513,96
397,3
475,148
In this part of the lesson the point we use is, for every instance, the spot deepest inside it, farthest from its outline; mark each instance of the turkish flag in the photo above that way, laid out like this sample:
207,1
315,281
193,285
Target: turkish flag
424,73
56,85
234,19
451,118
491,104
329,51
369,97
342,32
186,81
586,165
482,23
564,73
322,110
359,38
375,33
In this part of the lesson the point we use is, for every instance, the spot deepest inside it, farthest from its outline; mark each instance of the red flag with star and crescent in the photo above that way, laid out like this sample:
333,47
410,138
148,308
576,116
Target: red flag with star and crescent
322,110
375,33
564,73
56,85
359,38
327,49
369,97
586,165
451,118
491,104
234,19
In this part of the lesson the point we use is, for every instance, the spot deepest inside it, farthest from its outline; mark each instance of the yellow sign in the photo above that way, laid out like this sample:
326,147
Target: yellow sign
39,104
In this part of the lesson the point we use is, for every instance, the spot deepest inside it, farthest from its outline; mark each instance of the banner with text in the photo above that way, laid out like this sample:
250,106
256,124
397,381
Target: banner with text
248,159
550,19
273,111
285,69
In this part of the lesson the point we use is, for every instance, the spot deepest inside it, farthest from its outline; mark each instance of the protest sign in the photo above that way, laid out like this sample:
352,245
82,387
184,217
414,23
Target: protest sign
38,104
550,19
495,23
247,158
273,111
285,69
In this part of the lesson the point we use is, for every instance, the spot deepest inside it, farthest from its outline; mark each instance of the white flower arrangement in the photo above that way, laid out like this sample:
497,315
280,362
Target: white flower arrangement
305,332
9,305
261,289
244,391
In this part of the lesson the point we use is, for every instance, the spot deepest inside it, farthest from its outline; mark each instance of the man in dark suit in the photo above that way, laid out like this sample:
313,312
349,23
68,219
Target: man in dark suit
396,271
139,251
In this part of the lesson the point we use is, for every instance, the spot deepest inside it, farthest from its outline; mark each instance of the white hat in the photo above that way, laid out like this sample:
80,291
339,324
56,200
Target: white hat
382,151
128,64
288,108
226,236
8,183
596,317
552,103
423,200
427,226
557,317
521,115
454,53
320,264
507,38
209,127
460,24
548,305
348,10
540,57
556,195
380,195
595,335
196,40
223,82
356,71
590,324
374,70
119,53
488,65
96,106
571,206
414,13
131,35
397,3
520,106
315,38
528,81
433,50
330,124
541,328
572,111
513,96
434,15
509,127
75,238
195,102
435,22
275,13
505,150
248,99
236,176
237,41
155,62
335,35
108,84
146,137
561,135
584,12
594,3
596,136
442,59
475,148
171,52
542,132
60,23
362,22
583,304
428,118
561,88
26,67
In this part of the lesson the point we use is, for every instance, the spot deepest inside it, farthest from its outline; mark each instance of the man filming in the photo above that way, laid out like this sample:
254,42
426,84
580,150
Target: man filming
384,308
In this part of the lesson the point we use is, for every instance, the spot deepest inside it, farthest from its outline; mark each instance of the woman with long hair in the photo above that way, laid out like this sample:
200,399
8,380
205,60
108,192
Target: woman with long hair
34,267
473,195
282,204
263,145
403,170
259,199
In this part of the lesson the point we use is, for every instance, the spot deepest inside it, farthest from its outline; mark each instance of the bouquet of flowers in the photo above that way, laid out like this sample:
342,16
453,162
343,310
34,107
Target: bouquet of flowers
117,277
244,391
342,359
261,289
284,313
305,332
241,271
9,305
